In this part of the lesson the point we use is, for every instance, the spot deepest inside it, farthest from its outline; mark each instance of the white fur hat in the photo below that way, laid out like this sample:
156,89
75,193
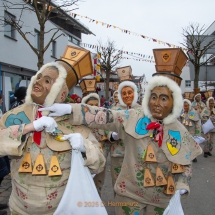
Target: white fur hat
176,93
198,94
207,102
56,87
91,95
189,103
127,84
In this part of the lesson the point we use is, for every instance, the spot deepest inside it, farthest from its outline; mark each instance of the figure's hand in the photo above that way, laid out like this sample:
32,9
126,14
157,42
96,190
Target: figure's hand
58,109
76,141
46,123
182,191
115,136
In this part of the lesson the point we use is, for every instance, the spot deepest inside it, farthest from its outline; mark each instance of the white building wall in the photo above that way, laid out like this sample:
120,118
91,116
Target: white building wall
185,75
18,52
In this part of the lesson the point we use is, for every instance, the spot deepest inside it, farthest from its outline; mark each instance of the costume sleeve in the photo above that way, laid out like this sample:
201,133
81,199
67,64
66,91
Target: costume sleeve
95,117
204,117
95,159
183,179
12,141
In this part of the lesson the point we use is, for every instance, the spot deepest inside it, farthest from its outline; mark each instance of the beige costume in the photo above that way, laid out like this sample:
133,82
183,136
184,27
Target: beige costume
198,106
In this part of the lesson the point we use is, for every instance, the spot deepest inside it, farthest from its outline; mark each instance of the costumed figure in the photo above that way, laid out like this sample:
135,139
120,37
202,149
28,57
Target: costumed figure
191,120
115,99
127,97
40,160
158,149
91,98
209,113
197,104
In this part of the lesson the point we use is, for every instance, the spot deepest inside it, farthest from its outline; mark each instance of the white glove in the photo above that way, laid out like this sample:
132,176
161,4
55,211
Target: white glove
46,123
58,109
76,141
182,191
115,136
174,207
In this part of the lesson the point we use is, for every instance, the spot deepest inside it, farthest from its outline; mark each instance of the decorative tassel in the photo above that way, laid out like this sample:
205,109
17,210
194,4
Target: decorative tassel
148,179
26,165
150,154
160,178
190,124
54,169
170,187
184,121
39,167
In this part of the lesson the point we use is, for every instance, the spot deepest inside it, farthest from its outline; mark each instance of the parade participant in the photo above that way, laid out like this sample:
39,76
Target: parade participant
209,113
191,120
31,137
197,104
91,98
115,99
158,149
127,97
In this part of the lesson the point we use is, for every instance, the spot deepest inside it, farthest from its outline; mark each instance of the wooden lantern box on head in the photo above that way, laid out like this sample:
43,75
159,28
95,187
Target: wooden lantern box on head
189,95
170,60
79,59
88,85
208,94
124,73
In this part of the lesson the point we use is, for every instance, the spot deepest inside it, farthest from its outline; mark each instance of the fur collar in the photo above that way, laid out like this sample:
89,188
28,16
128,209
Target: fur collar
189,103
198,94
94,95
207,102
56,87
176,93
127,84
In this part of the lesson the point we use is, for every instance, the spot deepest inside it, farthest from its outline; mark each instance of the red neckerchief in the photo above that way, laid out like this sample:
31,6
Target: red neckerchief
37,134
159,128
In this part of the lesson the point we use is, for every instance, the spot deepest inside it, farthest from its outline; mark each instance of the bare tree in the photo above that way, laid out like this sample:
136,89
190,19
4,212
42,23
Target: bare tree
44,11
110,58
197,45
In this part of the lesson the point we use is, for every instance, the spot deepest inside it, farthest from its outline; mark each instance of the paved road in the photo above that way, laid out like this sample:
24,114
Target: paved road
200,202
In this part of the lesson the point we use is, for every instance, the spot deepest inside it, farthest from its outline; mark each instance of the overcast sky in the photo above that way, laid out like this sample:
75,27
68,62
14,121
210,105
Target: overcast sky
162,20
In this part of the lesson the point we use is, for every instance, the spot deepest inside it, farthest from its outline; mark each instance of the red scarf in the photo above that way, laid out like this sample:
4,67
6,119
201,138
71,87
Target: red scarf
159,128
37,134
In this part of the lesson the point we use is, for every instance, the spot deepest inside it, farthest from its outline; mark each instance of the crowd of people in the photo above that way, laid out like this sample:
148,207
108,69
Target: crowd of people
152,146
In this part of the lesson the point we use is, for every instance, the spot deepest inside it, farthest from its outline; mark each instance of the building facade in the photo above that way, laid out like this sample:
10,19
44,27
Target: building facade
18,62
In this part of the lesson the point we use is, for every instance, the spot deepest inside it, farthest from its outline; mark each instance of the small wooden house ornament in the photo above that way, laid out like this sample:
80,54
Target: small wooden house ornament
148,179
160,178
26,165
150,154
39,166
177,168
170,187
54,169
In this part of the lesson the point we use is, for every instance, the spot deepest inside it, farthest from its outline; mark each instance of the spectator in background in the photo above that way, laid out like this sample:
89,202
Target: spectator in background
102,101
20,94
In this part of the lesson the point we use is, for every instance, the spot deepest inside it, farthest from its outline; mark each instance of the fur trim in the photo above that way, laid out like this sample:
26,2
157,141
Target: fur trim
91,95
190,105
176,93
207,102
127,84
198,94
56,87
115,92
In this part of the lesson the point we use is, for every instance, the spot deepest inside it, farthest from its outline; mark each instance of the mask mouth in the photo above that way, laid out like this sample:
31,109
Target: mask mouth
36,88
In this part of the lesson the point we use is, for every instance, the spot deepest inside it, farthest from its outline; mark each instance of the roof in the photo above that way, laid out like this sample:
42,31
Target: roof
66,16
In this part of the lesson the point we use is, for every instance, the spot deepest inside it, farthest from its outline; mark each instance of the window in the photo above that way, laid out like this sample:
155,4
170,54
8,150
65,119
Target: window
187,83
9,29
73,40
37,39
54,49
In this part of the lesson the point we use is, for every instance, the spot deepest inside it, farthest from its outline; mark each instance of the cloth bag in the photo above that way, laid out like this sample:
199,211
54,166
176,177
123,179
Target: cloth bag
199,139
80,196
208,126
174,207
